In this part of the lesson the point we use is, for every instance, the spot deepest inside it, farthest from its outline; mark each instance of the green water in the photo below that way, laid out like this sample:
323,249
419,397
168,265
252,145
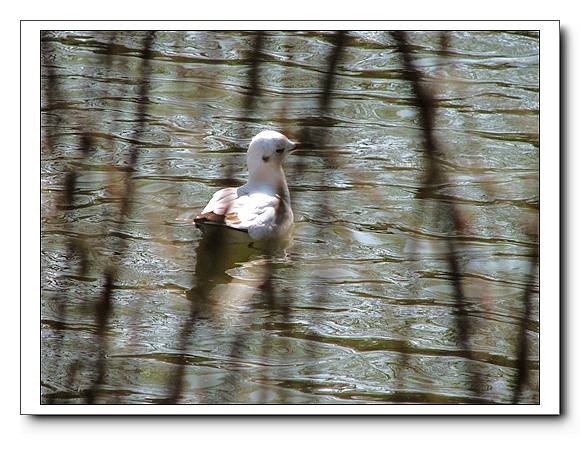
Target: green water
365,305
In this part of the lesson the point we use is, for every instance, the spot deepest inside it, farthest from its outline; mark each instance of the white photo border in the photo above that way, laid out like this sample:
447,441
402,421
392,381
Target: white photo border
550,260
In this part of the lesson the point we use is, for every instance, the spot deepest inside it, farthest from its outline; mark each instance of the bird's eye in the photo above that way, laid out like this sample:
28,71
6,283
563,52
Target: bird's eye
279,150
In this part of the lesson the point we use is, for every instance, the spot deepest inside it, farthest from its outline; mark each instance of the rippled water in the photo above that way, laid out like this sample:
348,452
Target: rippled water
370,307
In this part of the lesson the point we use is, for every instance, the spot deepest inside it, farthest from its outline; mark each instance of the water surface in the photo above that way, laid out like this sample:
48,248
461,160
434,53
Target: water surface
366,309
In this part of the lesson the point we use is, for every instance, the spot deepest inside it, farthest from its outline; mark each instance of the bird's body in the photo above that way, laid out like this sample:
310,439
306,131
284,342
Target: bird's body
261,208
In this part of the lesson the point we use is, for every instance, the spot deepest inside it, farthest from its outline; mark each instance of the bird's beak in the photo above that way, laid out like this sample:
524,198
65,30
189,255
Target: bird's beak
293,147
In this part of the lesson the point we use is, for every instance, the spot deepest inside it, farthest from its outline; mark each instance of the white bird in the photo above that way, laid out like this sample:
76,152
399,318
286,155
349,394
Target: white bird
261,207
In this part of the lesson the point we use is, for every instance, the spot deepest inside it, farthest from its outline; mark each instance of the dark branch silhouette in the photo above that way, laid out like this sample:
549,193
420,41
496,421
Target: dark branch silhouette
426,106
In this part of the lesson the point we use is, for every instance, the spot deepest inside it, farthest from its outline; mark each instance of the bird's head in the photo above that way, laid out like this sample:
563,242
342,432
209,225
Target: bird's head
268,150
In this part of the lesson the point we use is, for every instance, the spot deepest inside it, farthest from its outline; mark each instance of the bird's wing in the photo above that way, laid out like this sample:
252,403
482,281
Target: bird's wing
258,213
221,201
215,211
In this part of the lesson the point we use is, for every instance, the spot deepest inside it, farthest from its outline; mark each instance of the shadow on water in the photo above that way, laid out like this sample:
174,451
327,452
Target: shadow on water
219,250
